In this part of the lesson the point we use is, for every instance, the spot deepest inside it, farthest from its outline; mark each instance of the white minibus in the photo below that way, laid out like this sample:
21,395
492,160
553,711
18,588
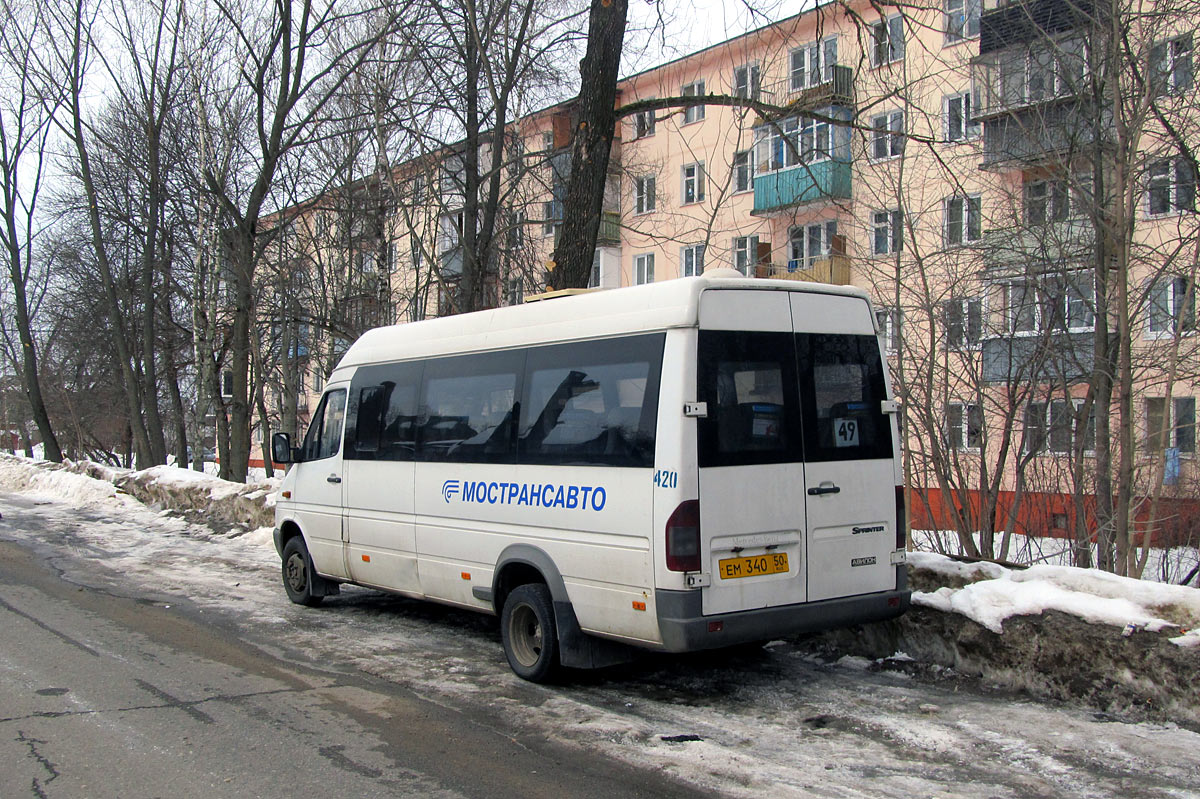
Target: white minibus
677,466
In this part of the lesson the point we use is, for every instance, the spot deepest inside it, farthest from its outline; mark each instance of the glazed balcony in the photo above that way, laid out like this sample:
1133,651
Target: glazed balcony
822,181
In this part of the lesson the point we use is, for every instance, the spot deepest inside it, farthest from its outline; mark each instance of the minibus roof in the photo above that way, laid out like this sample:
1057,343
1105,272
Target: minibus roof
635,309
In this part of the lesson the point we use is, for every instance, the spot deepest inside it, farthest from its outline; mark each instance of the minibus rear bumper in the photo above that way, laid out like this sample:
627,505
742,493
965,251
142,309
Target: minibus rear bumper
685,628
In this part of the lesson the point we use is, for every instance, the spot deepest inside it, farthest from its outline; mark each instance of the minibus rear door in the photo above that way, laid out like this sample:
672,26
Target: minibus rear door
751,474
849,485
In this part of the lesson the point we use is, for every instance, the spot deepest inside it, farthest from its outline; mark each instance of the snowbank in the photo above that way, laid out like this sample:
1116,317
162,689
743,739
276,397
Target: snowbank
208,499
1119,644
988,594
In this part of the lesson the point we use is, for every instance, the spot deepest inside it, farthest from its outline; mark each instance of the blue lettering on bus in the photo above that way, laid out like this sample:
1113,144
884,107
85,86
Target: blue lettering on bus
544,495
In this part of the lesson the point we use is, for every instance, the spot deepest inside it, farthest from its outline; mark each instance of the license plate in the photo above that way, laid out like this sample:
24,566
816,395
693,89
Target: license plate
755,566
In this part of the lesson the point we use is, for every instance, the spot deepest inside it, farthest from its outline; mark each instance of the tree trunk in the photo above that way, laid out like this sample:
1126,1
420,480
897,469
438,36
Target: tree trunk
591,145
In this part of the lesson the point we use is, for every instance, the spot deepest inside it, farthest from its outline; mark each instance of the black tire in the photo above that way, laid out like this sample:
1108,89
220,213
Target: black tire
529,634
298,574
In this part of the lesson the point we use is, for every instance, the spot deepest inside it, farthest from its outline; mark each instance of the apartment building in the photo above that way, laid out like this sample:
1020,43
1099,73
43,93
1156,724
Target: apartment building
973,166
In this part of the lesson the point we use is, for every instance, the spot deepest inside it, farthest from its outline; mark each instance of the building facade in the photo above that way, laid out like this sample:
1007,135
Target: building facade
1013,184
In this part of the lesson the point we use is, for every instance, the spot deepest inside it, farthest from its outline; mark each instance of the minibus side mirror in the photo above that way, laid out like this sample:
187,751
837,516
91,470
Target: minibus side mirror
281,449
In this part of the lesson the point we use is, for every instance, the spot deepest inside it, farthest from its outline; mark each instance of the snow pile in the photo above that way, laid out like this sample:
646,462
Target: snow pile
1122,645
78,484
989,594
218,503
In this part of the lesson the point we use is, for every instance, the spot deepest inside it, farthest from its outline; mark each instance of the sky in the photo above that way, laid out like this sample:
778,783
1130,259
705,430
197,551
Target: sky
660,32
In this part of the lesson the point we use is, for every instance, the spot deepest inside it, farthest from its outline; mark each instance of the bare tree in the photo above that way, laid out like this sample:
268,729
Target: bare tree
26,111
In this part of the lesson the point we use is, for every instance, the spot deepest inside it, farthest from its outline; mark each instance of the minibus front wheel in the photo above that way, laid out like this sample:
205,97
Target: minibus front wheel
298,573
528,632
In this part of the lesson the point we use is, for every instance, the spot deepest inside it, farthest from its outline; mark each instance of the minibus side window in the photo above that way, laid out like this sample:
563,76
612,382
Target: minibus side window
468,408
324,437
843,387
383,412
748,381
591,403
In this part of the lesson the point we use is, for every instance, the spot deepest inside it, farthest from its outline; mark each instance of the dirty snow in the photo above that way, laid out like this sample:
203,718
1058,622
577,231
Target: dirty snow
997,593
778,720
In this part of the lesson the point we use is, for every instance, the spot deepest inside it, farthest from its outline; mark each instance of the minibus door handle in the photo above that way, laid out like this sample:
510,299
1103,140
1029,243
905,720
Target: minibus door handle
826,487
333,478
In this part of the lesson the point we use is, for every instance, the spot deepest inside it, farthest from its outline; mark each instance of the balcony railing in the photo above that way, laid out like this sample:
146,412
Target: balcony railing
799,185
836,89
1014,249
833,269
610,229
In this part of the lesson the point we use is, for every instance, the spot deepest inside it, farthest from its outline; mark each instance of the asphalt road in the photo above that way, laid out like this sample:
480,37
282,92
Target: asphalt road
105,695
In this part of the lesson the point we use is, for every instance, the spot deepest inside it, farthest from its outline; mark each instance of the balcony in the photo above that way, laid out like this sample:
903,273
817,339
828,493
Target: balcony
1016,250
837,89
1054,133
800,185
1038,358
609,234
1017,23
834,270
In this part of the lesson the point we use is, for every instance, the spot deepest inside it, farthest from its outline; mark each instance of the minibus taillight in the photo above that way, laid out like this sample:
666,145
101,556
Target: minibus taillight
683,537
901,519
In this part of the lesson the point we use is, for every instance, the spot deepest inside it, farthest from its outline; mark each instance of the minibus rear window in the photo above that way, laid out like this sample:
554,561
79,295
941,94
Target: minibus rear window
749,382
842,389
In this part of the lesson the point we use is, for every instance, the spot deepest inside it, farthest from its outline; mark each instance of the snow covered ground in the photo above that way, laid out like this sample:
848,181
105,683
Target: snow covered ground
794,718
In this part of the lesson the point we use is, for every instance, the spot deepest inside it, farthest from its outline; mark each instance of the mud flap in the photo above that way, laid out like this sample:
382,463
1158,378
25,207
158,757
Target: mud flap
578,650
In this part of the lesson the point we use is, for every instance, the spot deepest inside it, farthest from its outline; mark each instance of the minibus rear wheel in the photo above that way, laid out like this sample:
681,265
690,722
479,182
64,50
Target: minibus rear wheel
528,632
297,573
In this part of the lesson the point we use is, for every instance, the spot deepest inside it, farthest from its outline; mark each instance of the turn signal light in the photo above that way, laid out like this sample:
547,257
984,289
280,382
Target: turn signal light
683,537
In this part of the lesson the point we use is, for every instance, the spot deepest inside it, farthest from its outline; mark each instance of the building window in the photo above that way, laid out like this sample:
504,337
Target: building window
515,289
959,124
693,113
962,220
643,269
1172,306
643,124
1066,428
1171,65
548,140
812,64
888,320
1056,426
791,142
691,260
1171,186
643,194
887,36
594,277
551,216
745,254
1050,302
887,233
963,321
962,20
887,135
964,425
743,171
693,183
1178,431
1046,201
746,82
227,383
810,243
